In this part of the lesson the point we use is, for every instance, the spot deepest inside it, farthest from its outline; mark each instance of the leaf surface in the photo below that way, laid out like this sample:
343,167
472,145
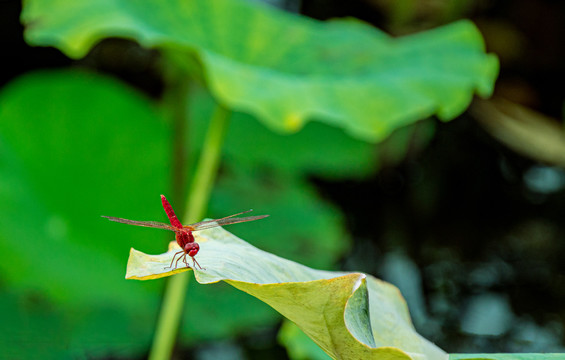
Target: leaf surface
349,315
287,69
74,146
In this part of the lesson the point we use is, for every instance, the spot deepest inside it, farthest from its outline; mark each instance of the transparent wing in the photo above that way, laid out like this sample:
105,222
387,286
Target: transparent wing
208,224
205,222
151,224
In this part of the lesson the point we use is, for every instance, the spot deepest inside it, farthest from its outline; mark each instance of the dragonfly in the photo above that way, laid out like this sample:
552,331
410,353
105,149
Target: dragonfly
183,233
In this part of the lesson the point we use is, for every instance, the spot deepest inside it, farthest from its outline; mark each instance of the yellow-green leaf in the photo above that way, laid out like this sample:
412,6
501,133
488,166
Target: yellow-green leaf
349,315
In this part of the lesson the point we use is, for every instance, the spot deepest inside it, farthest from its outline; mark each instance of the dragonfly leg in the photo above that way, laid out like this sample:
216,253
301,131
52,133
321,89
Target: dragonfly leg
194,262
178,252
183,257
177,262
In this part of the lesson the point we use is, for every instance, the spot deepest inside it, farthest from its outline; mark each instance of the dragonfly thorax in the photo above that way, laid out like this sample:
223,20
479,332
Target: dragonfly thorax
184,237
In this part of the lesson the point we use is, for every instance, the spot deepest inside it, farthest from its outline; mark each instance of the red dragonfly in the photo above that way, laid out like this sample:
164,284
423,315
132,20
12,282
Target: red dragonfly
184,236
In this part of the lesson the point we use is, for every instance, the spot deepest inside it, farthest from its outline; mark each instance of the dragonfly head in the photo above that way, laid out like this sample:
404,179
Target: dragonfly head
191,249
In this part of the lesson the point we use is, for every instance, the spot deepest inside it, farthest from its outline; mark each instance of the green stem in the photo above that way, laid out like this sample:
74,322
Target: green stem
199,195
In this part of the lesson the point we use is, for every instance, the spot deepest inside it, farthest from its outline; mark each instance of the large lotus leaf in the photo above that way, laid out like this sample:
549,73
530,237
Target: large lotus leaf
74,146
70,143
287,69
349,315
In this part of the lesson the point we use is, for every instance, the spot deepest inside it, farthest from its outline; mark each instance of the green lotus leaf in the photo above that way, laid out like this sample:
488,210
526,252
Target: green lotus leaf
349,315
74,146
287,69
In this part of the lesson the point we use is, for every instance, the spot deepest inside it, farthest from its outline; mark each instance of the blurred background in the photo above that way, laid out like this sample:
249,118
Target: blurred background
465,217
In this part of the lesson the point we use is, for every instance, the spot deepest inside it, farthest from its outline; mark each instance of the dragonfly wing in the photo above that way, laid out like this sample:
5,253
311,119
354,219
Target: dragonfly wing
224,221
151,224
206,222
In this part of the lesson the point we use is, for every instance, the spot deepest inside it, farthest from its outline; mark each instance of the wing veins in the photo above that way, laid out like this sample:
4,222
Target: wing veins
150,224
226,221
